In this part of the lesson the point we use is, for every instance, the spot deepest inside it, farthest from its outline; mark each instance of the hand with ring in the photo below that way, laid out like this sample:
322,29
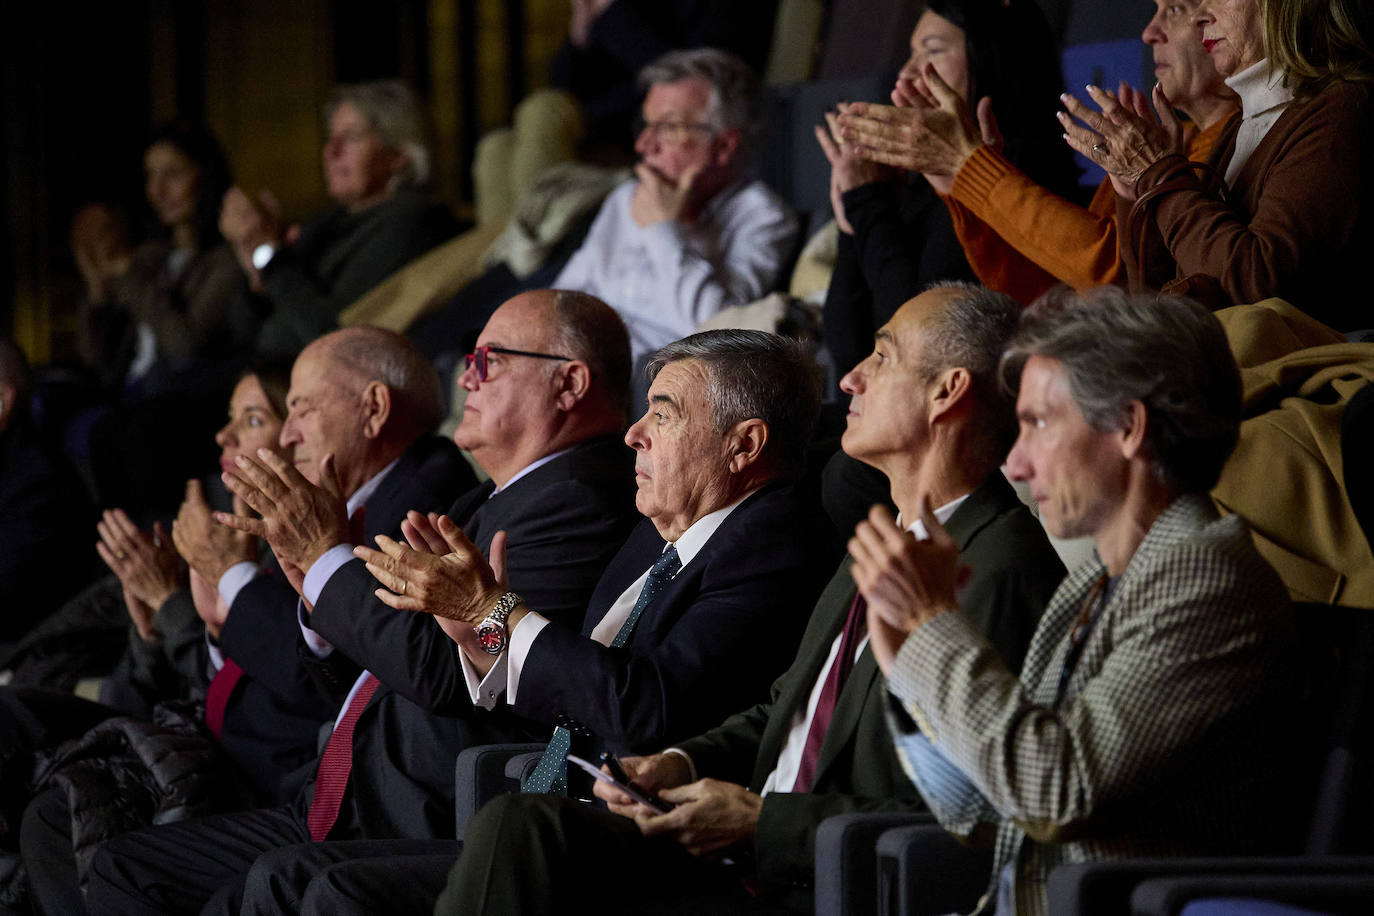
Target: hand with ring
1125,138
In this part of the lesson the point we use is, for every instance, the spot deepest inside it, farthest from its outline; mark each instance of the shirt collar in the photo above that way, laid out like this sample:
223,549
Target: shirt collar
690,542
1260,87
364,493
942,515
531,467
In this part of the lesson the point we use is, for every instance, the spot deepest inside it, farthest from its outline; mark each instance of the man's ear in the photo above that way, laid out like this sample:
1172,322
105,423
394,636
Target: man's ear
726,147
1134,423
376,403
950,390
574,380
745,443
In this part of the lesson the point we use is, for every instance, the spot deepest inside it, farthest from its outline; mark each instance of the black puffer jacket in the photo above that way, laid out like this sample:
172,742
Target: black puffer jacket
127,773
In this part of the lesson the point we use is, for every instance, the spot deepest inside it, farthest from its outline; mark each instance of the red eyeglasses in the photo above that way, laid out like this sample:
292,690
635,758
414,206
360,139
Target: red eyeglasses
478,358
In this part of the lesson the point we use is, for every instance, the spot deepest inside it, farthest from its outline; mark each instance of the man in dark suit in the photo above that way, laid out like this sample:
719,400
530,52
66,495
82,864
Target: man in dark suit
545,426
663,650
927,411
379,399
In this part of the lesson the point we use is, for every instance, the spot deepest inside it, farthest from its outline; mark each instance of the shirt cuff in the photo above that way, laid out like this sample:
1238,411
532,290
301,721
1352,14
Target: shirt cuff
485,691
521,639
234,579
317,644
318,575
691,767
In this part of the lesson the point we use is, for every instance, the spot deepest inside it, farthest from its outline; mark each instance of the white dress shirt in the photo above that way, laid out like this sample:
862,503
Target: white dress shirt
504,677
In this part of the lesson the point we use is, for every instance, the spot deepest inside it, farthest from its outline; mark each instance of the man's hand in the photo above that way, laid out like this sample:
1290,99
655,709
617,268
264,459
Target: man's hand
905,581
210,607
584,14
300,520
653,774
246,224
657,199
710,816
146,565
207,546
458,584
848,170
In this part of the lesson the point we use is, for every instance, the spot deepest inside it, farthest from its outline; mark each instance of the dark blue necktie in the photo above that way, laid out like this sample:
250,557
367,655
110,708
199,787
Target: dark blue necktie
551,775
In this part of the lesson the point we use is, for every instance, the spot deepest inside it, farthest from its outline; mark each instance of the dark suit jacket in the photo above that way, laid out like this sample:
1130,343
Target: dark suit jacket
564,521
712,640
273,717
1015,570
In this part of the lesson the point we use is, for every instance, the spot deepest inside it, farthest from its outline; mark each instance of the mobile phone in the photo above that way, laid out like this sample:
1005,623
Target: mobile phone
620,781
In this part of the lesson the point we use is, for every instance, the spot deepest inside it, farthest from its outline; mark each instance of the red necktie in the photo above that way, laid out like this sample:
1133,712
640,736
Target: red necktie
335,764
217,696
855,625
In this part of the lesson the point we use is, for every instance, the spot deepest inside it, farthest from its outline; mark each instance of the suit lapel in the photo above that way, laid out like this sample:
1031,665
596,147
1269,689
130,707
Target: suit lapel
826,620
982,506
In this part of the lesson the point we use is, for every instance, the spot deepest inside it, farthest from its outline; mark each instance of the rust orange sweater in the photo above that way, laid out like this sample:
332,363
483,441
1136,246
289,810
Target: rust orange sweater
1021,239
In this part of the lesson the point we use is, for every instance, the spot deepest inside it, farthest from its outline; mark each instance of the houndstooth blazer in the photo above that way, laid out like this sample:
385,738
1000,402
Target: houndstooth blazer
1169,732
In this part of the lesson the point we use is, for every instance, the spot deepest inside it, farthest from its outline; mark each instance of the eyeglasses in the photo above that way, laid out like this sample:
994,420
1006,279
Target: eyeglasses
478,358
671,132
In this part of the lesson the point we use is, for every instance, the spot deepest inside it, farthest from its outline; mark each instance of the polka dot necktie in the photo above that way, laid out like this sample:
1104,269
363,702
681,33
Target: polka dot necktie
551,775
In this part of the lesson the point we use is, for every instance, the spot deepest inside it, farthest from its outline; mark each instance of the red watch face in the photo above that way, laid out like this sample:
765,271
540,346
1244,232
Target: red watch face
491,639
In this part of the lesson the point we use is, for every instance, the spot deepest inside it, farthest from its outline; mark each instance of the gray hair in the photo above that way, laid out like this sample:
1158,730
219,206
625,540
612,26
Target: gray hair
1166,352
970,332
754,374
736,93
374,354
394,112
588,329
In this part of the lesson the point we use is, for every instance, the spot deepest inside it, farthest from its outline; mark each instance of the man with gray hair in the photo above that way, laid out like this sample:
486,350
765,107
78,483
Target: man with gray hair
926,410
376,168
1153,713
690,234
692,618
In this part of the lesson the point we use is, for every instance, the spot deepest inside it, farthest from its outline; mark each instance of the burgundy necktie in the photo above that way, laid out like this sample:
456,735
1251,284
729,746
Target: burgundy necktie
217,696
855,625
335,764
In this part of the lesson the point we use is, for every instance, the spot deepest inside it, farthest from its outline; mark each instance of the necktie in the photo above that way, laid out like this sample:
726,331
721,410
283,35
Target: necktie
855,625
335,764
218,694
551,774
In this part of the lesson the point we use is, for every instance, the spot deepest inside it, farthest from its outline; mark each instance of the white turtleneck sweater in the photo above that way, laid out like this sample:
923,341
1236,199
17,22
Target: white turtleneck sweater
1263,97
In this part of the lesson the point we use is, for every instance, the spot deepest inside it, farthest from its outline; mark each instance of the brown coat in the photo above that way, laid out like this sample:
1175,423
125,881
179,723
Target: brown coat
1286,476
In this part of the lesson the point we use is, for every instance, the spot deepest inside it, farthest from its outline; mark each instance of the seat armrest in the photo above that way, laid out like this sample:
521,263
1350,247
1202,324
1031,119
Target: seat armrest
1334,892
1106,886
924,869
846,861
480,775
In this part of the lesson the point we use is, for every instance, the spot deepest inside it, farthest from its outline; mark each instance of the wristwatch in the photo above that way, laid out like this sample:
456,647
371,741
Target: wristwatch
491,632
262,254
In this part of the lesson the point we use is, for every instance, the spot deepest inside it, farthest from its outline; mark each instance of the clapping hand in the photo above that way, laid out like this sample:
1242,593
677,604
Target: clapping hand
301,521
146,565
1125,138
906,582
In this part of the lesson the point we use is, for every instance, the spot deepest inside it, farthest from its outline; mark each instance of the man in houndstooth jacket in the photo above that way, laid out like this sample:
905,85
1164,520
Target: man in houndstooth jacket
1149,716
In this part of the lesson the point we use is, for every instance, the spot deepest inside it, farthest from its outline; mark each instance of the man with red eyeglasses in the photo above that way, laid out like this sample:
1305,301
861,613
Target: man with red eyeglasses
546,410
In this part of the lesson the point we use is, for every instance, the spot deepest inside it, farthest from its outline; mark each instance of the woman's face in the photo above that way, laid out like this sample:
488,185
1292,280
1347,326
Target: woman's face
939,42
171,182
1232,34
253,424
358,164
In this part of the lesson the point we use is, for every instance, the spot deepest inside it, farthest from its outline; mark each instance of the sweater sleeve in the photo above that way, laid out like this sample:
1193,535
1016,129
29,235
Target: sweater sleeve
1021,238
